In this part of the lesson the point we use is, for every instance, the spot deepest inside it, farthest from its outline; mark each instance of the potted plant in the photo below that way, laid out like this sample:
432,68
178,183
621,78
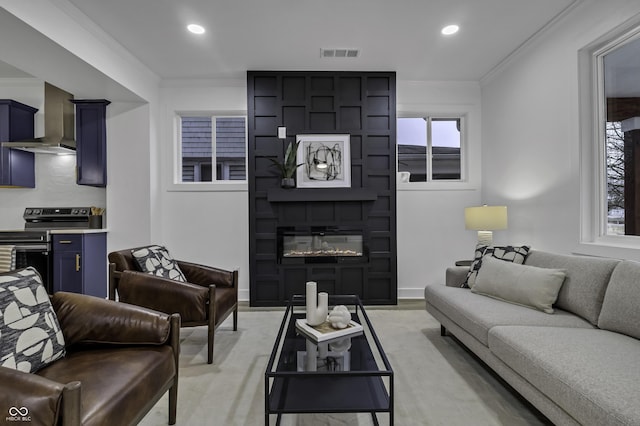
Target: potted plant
288,166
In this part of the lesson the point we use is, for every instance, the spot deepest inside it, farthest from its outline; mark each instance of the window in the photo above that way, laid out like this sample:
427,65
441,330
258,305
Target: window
620,123
429,148
208,140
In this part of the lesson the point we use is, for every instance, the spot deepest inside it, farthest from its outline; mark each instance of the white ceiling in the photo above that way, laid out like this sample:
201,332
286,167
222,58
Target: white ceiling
9,71
401,35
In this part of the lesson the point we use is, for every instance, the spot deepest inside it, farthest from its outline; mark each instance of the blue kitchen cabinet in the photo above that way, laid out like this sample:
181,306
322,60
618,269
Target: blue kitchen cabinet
80,263
91,141
17,167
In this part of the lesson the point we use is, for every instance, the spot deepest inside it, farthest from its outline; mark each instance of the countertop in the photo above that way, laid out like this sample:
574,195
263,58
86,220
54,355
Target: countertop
78,231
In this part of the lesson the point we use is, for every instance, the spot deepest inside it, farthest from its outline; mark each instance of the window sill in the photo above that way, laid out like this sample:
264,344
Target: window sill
612,247
220,186
436,186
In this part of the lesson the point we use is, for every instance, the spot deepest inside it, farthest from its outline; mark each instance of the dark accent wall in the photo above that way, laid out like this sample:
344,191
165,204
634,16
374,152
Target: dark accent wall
361,104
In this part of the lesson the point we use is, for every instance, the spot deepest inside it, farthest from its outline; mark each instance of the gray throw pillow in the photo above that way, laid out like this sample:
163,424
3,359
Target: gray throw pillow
515,254
524,285
157,261
30,334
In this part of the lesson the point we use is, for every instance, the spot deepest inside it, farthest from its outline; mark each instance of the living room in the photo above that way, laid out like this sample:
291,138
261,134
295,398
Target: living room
525,143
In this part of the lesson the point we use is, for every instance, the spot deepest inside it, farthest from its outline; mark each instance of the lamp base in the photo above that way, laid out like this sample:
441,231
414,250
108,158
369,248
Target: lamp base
485,238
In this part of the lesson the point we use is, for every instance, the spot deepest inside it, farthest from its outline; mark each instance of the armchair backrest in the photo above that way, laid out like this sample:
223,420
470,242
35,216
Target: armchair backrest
123,259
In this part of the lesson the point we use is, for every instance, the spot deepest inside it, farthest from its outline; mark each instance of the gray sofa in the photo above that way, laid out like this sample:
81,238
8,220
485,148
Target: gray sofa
579,365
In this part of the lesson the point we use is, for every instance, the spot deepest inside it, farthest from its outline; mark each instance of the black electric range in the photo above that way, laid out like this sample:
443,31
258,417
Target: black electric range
33,243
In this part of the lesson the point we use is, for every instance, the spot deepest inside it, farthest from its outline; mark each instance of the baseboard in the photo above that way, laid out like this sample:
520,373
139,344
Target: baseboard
403,294
411,293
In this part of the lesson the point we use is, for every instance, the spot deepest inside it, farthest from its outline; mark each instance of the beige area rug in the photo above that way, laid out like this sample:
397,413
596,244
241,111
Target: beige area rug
437,382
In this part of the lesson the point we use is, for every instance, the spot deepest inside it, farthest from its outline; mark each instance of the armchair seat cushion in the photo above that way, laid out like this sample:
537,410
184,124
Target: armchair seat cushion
116,381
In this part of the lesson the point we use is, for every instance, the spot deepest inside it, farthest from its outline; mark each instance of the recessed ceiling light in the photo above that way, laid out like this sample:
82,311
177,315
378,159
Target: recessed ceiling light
450,29
195,28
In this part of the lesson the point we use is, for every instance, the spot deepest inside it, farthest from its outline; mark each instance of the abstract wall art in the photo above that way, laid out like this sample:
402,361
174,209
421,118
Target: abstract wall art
326,161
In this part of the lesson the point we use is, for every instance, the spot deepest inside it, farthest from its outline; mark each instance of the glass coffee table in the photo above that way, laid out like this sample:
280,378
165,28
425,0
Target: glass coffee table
343,375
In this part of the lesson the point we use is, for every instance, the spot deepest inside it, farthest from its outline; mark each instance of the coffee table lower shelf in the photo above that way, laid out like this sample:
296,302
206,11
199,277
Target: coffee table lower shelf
331,393
328,394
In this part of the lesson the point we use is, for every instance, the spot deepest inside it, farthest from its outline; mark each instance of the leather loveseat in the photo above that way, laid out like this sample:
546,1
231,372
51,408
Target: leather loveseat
120,360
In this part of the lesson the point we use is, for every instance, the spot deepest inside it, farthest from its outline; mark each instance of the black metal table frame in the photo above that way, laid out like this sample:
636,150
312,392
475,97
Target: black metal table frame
281,379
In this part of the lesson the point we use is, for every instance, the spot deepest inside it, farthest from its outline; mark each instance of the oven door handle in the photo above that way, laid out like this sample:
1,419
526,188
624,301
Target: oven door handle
32,247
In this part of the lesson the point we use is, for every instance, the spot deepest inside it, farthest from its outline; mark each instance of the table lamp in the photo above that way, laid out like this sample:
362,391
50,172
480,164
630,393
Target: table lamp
485,220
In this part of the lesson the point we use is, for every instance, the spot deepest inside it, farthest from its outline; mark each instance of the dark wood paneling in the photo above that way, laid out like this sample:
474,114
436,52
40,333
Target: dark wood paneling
361,104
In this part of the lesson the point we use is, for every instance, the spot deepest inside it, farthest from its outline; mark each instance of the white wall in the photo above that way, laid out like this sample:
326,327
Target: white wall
531,129
129,195
431,232
209,227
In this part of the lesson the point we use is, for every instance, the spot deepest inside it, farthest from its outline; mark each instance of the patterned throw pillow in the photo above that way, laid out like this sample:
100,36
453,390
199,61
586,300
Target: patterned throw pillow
514,254
157,261
30,335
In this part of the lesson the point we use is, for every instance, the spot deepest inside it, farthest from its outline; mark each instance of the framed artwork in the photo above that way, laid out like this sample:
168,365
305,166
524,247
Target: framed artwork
326,161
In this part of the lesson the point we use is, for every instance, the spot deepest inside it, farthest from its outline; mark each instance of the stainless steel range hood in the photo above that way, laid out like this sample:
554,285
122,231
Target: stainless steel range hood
59,123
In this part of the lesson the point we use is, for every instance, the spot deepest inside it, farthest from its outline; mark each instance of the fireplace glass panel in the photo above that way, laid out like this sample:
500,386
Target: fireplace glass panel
322,246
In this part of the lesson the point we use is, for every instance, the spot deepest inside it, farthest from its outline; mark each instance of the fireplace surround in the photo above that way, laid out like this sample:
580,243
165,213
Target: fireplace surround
358,104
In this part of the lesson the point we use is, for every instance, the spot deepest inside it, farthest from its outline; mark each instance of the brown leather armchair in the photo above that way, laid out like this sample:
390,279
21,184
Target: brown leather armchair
120,360
208,297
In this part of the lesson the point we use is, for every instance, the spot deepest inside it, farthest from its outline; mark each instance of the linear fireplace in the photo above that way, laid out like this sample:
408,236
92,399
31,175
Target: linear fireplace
321,244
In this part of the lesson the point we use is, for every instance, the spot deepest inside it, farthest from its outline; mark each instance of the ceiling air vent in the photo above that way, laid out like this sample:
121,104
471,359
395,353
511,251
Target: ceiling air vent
339,53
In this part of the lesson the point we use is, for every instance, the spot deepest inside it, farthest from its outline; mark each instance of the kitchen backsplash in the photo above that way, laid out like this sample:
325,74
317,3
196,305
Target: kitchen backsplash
55,186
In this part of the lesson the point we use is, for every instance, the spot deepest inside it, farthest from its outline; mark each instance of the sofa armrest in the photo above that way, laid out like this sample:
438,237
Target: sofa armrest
455,275
88,319
207,275
42,400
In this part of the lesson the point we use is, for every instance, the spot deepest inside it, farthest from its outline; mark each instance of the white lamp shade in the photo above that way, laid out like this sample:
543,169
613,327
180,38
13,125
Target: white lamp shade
485,218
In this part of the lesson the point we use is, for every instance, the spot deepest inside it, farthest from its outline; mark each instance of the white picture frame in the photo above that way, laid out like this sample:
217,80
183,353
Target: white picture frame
325,161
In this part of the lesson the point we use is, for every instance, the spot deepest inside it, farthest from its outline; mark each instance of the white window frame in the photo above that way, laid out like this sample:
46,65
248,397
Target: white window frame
176,183
439,184
594,239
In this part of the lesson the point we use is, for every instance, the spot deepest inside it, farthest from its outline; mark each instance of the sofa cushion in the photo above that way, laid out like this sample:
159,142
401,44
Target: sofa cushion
523,285
590,374
115,380
506,253
621,306
477,314
29,330
157,261
583,289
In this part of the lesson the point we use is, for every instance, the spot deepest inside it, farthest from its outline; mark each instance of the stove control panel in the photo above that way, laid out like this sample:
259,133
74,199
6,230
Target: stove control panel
56,212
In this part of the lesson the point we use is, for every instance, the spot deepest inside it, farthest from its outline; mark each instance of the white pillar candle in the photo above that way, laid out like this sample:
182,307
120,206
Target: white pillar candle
317,304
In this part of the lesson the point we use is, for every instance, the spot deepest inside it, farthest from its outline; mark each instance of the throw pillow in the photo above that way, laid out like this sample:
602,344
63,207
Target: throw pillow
514,254
523,285
30,335
156,260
